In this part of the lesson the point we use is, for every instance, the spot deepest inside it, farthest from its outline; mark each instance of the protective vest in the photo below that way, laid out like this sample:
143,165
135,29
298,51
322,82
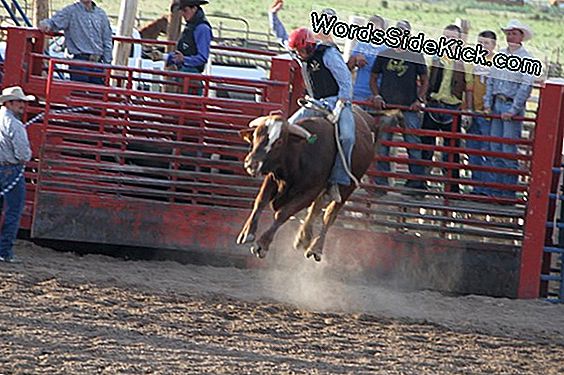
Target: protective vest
187,44
322,80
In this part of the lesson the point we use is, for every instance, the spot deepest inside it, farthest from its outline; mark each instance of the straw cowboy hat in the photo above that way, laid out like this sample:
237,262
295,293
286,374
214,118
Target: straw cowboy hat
14,93
515,24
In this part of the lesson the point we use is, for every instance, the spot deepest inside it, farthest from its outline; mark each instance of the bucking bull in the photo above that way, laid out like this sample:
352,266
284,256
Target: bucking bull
296,175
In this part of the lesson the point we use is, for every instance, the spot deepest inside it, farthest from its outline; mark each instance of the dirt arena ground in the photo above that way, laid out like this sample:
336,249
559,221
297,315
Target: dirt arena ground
68,314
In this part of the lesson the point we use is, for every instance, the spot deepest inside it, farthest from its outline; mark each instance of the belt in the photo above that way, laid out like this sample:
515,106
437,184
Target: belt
88,57
435,101
7,164
504,98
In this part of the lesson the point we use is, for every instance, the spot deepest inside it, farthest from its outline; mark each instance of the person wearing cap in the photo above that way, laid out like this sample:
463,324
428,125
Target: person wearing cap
450,87
400,71
193,47
328,81
506,95
14,152
88,36
278,29
362,58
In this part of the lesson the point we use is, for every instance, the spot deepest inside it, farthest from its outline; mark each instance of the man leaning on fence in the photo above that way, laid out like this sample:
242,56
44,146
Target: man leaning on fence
193,47
450,88
88,37
400,71
506,95
14,152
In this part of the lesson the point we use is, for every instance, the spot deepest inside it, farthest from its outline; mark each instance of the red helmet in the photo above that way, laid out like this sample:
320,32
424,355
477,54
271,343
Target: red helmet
301,38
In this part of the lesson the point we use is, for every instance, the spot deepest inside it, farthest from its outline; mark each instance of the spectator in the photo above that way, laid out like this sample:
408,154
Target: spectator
400,71
277,27
88,36
480,125
449,81
506,95
362,57
14,152
193,47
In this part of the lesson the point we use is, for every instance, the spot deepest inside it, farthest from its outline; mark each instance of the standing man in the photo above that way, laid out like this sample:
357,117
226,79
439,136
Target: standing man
88,36
450,87
399,72
506,95
193,47
14,152
480,125
362,57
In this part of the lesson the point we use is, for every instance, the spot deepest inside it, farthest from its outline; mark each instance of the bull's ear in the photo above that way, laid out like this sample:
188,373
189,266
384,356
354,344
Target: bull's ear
247,135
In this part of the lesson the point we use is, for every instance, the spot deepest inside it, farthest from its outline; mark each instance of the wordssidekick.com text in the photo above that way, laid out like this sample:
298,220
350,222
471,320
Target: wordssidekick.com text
395,37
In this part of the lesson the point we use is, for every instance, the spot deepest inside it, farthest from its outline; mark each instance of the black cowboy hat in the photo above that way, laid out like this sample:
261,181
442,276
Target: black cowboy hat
181,4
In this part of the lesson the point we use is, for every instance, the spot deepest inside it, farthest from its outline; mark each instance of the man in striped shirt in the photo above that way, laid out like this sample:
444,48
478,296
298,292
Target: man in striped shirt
14,152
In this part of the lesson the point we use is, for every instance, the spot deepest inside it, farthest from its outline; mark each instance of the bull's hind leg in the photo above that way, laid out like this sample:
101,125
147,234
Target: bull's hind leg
305,234
264,196
315,250
282,215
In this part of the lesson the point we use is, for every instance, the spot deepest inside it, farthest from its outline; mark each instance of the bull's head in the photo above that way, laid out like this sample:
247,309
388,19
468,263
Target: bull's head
266,136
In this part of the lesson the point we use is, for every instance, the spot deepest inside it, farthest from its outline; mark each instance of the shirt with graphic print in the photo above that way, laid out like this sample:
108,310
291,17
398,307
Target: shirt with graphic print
399,71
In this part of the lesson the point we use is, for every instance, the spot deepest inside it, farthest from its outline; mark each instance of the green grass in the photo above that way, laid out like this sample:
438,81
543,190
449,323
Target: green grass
547,24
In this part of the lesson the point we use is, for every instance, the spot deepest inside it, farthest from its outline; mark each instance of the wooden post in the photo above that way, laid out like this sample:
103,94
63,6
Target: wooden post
40,11
126,21
174,24
173,33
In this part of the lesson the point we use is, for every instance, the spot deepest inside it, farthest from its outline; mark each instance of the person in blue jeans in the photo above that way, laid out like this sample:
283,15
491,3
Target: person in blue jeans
328,80
480,125
14,152
88,37
506,95
399,71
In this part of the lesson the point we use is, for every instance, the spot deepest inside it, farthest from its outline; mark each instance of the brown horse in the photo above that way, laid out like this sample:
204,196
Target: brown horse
296,175
155,28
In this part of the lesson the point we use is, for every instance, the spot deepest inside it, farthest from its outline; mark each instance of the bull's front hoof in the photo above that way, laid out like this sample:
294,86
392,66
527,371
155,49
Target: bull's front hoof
245,237
311,253
258,251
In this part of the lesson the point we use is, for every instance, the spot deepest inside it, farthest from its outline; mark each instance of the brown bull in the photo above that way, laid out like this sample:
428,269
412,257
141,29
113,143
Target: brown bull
296,175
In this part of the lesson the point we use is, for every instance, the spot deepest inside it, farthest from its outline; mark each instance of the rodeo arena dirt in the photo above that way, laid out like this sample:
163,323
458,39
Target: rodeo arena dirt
142,248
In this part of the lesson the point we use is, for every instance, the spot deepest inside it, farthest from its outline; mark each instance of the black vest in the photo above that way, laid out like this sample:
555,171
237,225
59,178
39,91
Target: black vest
187,44
322,80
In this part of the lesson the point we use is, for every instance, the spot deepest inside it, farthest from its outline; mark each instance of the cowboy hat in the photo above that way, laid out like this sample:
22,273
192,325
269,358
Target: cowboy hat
181,4
189,3
15,93
516,25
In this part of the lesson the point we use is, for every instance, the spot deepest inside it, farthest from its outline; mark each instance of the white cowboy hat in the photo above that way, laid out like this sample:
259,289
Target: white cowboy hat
515,24
14,93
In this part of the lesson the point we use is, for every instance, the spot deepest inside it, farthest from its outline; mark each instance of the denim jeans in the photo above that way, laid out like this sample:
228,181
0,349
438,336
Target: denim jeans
480,126
89,78
346,137
443,122
14,203
504,129
412,121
